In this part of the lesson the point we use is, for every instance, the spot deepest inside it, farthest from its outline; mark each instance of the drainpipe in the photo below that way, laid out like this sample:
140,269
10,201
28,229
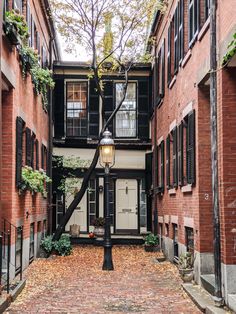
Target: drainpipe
155,212
1,21
50,135
214,154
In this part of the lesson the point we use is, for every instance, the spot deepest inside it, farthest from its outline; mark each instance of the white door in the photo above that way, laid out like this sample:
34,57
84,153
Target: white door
79,215
126,204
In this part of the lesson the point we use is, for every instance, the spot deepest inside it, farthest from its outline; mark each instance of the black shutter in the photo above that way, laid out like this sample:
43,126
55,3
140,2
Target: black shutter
176,40
37,154
169,76
163,70
42,156
180,154
175,160
109,103
19,149
181,30
162,166
191,148
158,82
93,113
32,149
58,109
168,162
143,111
28,147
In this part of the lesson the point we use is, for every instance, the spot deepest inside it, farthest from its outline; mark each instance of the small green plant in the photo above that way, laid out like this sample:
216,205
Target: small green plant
15,20
29,58
99,222
63,246
34,180
151,240
186,261
47,244
42,79
231,51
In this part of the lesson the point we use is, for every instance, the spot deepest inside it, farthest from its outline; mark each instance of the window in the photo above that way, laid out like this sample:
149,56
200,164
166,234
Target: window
161,166
171,159
31,249
44,156
5,7
178,35
207,9
143,204
160,84
176,40
169,55
193,12
29,22
166,230
126,117
44,59
186,150
76,106
92,201
189,239
17,5
44,231
19,243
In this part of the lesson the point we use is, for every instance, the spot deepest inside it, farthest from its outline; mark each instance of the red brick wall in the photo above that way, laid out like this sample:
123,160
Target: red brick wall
191,87
22,101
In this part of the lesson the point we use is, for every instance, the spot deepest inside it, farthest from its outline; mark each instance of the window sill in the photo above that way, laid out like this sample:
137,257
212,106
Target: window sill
172,83
204,29
187,189
172,192
186,58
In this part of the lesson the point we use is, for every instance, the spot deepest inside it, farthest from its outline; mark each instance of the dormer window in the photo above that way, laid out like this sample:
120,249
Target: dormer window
126,117
76,109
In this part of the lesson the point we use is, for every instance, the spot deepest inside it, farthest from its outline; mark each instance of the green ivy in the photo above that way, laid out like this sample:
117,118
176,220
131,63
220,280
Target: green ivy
13,19
231,51
42,79
29,58
34,180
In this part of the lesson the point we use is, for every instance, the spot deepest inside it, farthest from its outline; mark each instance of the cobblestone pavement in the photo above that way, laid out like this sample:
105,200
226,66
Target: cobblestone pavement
76,284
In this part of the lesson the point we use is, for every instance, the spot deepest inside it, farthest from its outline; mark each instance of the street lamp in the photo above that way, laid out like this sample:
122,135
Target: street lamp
107,160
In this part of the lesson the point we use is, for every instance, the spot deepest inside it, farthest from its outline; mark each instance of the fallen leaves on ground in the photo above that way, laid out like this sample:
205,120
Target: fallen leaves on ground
77,284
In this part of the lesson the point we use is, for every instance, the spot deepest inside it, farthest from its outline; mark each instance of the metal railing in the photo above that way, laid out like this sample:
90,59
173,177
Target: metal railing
10,235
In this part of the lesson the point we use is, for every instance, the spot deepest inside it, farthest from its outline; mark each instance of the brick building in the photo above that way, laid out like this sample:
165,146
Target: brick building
182,137
26,119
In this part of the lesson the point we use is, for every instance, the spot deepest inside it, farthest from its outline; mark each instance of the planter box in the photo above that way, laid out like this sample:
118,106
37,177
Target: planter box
12,34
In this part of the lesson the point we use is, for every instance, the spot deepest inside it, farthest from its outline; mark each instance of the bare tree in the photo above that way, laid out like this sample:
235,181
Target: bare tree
113,33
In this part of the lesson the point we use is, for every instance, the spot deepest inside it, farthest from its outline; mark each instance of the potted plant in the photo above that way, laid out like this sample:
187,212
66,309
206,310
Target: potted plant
151,243
99,224
186,263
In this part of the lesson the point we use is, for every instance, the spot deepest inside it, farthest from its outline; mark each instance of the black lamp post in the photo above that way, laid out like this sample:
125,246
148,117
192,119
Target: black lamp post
107,160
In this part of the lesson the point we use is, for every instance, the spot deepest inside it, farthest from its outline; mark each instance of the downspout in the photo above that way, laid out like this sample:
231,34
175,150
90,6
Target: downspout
50,144
1,21
214,154
155,211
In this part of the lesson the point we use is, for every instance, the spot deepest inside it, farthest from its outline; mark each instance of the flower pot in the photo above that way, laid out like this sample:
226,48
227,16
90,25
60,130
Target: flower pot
186,274
151,248
99,232
11,34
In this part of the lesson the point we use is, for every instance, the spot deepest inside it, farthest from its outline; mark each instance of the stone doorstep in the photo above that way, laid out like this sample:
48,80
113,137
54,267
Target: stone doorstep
232,301
202,299
6,300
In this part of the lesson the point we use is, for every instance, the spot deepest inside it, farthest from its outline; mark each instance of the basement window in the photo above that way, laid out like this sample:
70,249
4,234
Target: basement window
189,239
31,249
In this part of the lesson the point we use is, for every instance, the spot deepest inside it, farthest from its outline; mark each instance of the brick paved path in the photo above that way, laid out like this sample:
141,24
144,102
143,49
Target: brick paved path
76,284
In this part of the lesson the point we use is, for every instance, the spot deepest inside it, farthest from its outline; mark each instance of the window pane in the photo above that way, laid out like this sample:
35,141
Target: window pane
77,109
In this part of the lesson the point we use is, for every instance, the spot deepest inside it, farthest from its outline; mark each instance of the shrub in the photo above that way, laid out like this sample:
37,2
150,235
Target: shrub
63,246
151,240
47,244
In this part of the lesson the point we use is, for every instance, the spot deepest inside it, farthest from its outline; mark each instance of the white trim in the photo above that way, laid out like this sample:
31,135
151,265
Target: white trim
160,140
166,219
187,109
172,125
174,219
172,192
160,219
189,222
186,188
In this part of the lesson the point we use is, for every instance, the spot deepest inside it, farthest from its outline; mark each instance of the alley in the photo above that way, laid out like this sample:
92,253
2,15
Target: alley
76,284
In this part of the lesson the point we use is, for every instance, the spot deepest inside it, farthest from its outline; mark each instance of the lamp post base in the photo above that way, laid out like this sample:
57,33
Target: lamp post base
107,262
